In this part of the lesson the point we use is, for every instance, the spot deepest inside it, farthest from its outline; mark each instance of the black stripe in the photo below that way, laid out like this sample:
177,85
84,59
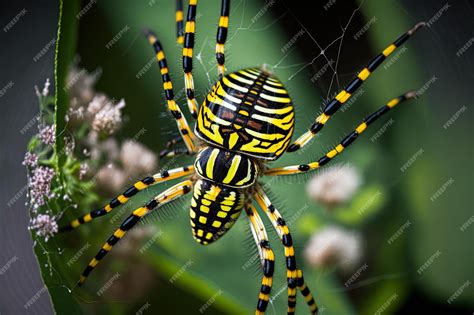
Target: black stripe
265,289
374,63
115,203
323,160
332,107
87,271
291,264
401,39
349,139
129,222
130,192
354,85
113,240
101,254
98,213
268,268
148,180
372,117
287,240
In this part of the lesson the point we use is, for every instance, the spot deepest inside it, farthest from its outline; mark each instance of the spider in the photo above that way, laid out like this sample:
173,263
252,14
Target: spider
246,121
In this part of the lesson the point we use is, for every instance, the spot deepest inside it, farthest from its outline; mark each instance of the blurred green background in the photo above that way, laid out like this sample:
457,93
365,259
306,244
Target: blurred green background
259,32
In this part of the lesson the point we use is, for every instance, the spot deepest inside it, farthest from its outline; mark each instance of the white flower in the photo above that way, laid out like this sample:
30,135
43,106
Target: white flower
111,179
47,134
334,246
46,88
44,225
107,117
137,159
334,185
39,185
80,85
30,159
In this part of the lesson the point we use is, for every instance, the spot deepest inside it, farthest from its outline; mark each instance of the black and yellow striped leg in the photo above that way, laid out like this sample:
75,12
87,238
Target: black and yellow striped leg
175,140
165,197
343,96
188,47
306,292
130,192
350,138
222,36
179,22
293,275
167,153
173,107
266,255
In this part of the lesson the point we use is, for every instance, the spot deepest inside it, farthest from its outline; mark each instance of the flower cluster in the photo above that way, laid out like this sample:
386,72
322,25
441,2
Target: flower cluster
45,225
39,184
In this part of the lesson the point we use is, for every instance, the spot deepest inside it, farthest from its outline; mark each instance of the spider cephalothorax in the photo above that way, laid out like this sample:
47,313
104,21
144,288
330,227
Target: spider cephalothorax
246,121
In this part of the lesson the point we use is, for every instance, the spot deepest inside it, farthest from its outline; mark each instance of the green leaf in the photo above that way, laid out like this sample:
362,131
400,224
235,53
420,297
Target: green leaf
48,255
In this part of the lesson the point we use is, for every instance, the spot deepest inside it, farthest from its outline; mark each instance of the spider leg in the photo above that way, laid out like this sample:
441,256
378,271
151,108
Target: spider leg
183,126
294,276
266,255
343,96
190,29
222,36
131,191
179,22
165,197
293,169
173,152
175,140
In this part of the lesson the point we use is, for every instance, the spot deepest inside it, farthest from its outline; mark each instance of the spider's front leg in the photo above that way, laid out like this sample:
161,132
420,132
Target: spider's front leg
183,126
267,257
343,96
190,30
349,139
294,275
167,196
221,37
130,192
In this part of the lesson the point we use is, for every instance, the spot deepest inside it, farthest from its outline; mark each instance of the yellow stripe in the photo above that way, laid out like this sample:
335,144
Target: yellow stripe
119,233
140,185
389,50
140,212
75,223
364,74
343,96
107,247
179,16
122,199
224,21
93,262
87,218
108,208
393,103
160,55
361,128
211,162
233,169
323,118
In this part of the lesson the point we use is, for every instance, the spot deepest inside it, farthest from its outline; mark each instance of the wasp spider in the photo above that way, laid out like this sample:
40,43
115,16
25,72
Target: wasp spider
246,121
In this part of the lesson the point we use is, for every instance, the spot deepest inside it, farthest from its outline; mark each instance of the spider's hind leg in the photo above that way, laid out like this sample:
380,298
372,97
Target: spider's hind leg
266,255
294,276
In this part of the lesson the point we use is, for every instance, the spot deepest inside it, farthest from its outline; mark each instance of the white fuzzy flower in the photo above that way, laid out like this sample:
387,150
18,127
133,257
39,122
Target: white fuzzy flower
80,85
137,159
47,134
44,225
334,246
30,160
334,185
47,84
108,116
111,179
